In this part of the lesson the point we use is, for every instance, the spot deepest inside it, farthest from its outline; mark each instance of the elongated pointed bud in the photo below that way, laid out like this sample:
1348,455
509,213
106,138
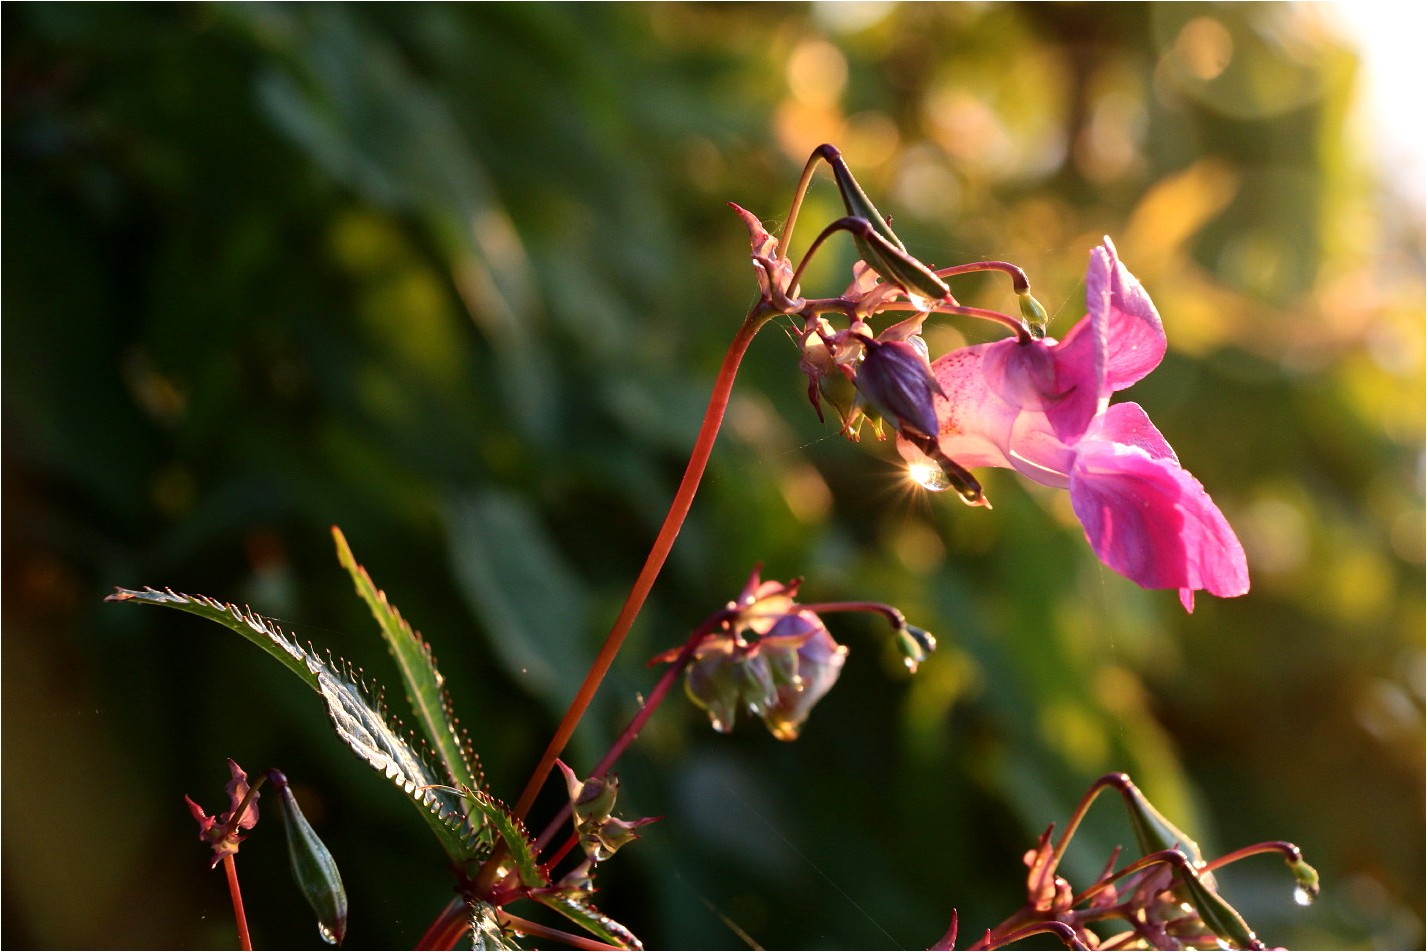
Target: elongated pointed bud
312,866
1215,912
854,199
878,244
1152,830
921,283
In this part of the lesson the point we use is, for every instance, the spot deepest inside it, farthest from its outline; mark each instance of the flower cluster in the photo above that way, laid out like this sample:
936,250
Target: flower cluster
1031,403
1042,409
1166,898
767,656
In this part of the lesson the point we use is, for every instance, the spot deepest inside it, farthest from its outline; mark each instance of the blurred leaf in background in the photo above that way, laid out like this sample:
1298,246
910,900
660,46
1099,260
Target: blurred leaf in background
458,278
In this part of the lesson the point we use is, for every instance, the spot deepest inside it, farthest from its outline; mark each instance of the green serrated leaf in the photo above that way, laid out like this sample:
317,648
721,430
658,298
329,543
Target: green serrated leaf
359,719
261,631
513,832
425,686
363,722
590,919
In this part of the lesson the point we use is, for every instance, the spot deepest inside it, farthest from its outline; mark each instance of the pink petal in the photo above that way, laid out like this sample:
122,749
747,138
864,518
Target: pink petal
973,423
1151,521
1129,425
1134,332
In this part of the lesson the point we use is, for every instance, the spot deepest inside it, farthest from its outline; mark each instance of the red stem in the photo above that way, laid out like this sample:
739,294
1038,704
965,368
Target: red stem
636,723
1019,282
448,927
757,316
239,916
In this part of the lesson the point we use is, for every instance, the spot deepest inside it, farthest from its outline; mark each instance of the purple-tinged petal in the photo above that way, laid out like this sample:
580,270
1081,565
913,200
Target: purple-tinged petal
974,424
1151,521
1129,425
1061,381
1134,333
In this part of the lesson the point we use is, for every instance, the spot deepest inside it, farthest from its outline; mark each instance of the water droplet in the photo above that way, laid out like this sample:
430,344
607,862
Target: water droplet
911,664
921,302
719,725
929,476
327,934
1302,896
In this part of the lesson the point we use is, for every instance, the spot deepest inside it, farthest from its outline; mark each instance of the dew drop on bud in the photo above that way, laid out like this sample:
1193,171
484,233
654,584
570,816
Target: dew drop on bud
929,476
1302,896
327,934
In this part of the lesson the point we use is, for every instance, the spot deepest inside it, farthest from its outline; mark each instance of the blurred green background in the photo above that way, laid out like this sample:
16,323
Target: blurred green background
458,278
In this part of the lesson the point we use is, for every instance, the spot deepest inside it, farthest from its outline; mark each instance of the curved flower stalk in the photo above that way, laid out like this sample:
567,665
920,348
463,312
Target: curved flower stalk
1042,408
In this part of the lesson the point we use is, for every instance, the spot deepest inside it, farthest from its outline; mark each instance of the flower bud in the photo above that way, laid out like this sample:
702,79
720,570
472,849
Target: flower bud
1306,879
709,682
1034,313
897,380
313,866
916,644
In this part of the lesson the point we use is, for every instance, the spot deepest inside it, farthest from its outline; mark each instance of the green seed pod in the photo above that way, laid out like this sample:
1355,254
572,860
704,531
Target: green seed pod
1215,912
312,866
1152,830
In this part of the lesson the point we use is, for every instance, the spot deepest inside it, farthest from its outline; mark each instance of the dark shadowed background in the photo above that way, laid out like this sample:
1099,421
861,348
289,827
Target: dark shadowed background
458,278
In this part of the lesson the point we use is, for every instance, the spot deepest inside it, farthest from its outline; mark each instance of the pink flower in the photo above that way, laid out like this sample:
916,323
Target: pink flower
1042,408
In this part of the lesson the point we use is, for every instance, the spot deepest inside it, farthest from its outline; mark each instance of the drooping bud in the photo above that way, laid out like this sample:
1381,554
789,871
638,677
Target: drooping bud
313,866
1034,313
591,808
897,380
710,683
916,644
1305,878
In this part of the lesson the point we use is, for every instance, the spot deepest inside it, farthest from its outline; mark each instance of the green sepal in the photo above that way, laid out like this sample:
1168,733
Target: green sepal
313,866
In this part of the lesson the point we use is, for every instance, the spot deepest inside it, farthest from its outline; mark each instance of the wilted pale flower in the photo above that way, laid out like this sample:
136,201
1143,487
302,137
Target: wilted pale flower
770,658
